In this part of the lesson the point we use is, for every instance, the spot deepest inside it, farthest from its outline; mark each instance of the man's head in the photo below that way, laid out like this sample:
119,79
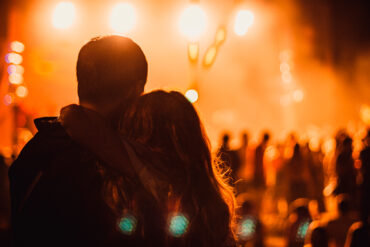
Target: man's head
110,70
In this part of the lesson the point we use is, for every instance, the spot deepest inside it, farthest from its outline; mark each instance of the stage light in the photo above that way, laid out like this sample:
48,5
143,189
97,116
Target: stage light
193,51
193,22
15,78
298,95
13,58
210,56
243,20
17,46
192,95
21,91
64,15
122,18
220,36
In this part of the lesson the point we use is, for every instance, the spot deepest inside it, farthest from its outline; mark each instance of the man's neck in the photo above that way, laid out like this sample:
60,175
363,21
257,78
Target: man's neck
109,113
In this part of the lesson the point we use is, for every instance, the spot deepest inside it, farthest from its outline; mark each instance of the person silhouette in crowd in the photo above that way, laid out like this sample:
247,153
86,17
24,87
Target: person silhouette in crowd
337,228
300,221
297,175
55,183
359,233
259,179
184,201
242,151
319,237
230,160
345,170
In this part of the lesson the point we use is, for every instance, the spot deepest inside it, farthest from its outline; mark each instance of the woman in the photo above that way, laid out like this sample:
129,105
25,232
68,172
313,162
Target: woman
173,195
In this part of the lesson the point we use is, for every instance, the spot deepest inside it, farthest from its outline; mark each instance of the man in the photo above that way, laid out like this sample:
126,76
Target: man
54,183
259,173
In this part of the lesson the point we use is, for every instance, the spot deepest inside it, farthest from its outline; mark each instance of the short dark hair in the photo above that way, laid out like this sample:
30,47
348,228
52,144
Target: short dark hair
110,67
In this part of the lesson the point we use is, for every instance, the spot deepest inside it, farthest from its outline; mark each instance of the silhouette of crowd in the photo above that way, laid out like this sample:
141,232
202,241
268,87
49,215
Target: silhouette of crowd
124,168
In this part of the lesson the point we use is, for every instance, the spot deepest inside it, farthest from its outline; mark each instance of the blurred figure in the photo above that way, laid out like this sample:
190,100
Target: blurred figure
242,151
319,237
249,227
259,179
359,233
345,170
297,176
299,221
4,204
229,158
337,228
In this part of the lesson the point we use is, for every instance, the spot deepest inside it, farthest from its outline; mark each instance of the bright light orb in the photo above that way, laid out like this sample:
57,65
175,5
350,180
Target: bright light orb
8,99
243,20
15,69
127,224
192,95
13,58
64,15
21,92
15,79
193,22
17,46
122,18
178,225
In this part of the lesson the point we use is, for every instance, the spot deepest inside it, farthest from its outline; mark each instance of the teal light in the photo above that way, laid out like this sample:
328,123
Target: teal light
247,228
302,230
178,225
127,224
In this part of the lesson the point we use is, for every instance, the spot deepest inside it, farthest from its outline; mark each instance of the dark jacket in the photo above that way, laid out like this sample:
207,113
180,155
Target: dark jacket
55,192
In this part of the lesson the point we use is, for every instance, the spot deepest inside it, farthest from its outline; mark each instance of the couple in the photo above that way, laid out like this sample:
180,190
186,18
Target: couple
120,168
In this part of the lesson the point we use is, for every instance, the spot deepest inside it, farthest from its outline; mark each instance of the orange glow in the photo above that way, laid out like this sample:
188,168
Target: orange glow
122,18
15,69
17,46
220,36
21,92
193,51
365,114
286,77
193,22
64,15
8,99
284,67
210,56
15,79
243,20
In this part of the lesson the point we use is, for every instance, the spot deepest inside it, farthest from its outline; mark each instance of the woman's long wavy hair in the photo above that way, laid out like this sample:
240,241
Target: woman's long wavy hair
169,125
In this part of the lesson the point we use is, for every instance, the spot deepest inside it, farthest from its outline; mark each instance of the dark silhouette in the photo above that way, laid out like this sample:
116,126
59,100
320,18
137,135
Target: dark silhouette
298,228
319,237
259,172
4,204
176,172
337,228
55,183
345,170
297,176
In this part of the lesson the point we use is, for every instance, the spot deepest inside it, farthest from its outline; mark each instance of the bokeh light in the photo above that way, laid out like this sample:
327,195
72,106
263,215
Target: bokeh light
178,225
8,99
210,56
64,15
122,18
193,51
284,67
286,77
220,36
243,20
192,95
127,224
193,22
247,228
15,69
13,58
21,91
298,95
17,46
15,79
